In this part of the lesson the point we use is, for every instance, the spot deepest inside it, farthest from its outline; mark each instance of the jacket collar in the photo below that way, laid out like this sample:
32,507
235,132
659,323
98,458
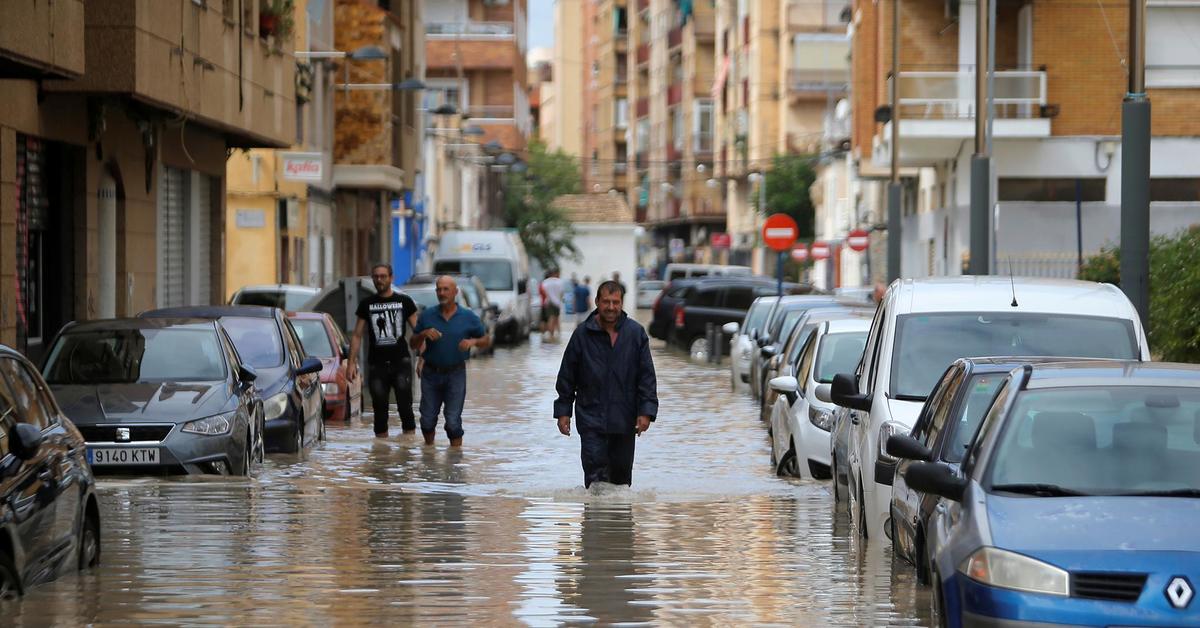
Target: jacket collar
593,321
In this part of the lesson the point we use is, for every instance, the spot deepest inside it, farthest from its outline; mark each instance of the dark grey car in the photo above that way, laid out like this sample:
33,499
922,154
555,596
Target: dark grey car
158,395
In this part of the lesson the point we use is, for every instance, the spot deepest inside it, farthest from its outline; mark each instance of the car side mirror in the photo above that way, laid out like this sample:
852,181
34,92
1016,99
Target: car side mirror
730,328
768,352
345,350
309,366
787,386
247,374
935,479
906,447
824,393
26,441
845,393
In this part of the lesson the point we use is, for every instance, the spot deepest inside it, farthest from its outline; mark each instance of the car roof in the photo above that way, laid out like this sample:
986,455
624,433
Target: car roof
211,311
845,324
280,287
1113,373
995,293
112,324
307,315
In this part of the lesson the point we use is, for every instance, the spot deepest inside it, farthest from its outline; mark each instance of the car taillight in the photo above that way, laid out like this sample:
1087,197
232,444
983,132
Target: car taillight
679,316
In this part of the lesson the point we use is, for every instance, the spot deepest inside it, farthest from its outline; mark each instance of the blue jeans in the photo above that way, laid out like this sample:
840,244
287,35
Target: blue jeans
443,392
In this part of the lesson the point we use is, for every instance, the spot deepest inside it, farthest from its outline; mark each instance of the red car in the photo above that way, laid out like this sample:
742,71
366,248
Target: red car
322,339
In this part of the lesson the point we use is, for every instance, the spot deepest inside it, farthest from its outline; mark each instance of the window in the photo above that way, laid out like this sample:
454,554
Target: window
739,298
704,298
921,429
8,419
1172,45
839,353
1050,190
1175,189
702,126
978,399
29,400
313,337
111,356
256,340
677,128
622,117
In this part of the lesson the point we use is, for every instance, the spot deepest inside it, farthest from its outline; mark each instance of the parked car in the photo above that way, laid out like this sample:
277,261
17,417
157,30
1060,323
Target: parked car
321,339
49,513
158,395
647,292
472,292
718,300
684,271
340,300
941,434
288,379
800,423
922,325
283,296
1076,501
742,336
781,320
782,363
662,319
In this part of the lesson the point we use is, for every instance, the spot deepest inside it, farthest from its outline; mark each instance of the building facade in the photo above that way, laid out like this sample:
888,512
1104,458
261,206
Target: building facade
565,102
118,116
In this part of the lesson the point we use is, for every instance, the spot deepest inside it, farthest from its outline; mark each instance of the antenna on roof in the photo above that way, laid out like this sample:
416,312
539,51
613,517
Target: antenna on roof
1012,283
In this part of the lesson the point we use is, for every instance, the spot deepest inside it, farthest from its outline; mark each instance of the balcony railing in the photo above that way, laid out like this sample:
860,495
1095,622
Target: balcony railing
951,95
674,93
489,112
643,53
643,107
822,16
818,80
499,30
675,37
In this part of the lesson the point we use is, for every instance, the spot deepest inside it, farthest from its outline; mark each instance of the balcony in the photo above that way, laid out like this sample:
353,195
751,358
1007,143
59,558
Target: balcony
674,94
643,107
484,114
821,16
937,112
704,27
675,38
818,83
470,30
702,145
26,51
643,54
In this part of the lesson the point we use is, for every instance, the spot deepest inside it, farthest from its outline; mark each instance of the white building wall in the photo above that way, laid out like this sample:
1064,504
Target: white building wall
605,248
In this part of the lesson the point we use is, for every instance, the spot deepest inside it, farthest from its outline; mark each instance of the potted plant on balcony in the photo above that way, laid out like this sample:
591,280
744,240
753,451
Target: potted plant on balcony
275,19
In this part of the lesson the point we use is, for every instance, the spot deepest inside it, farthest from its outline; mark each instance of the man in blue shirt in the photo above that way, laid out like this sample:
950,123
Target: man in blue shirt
583,300
447,333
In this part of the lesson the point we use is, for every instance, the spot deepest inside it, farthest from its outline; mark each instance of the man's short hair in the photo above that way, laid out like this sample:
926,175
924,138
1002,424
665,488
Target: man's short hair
610,287
383,265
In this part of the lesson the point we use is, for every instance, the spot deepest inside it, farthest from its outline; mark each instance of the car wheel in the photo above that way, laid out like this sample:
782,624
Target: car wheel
247,456
837,485
937,606
787,465
297,443
260,445
10,584
922,559
89,543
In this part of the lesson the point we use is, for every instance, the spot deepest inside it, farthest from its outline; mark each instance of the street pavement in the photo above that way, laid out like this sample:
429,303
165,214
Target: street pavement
367,531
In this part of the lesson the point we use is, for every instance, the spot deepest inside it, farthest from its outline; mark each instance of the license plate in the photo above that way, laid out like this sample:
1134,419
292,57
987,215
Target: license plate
98,456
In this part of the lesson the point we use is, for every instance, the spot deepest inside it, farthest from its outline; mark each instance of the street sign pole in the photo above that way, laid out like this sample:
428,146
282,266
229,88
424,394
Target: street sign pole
779,273
1135,170
779,233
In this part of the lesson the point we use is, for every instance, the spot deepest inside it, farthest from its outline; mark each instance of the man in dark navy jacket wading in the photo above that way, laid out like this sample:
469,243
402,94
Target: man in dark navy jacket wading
607,376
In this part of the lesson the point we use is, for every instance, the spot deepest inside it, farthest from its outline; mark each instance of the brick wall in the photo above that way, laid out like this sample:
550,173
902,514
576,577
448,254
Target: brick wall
360,115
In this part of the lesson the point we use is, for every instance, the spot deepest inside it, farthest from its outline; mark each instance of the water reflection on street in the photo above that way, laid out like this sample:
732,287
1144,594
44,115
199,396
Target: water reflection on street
367,531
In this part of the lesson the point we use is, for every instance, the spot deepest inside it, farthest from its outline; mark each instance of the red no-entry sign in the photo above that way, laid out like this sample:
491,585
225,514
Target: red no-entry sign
858,240
820,250
800,252
780,232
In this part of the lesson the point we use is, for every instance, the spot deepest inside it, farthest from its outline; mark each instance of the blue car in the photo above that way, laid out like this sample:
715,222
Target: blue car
1077,501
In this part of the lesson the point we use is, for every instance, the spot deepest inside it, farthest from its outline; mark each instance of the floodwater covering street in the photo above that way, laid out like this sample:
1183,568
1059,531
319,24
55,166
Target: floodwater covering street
365,531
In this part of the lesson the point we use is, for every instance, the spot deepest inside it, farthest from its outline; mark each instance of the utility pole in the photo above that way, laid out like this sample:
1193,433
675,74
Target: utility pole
981,162
1135,170
893,191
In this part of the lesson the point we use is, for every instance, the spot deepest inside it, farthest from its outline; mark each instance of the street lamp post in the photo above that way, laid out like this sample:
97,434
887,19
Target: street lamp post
981,162
893,192
1135,170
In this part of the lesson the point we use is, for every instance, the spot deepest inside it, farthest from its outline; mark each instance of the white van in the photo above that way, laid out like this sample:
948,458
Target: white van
683,271
498,259
922,325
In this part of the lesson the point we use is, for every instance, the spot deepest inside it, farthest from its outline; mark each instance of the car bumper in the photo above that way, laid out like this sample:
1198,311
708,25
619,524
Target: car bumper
982,605
812,448
180,453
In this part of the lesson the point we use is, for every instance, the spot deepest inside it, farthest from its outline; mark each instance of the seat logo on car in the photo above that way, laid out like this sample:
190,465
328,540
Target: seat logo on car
123,435
1179,592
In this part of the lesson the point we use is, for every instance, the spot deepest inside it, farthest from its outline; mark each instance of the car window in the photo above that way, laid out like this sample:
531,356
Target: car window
8,419
739,297
756,316
294,300
766,291
295,349
256,339
990,422
920,429
332,305
259,297
677,274
495,274
805,363
677,292
313,337
704,298
231,355
126,356
30,401
937,420
798,341
838,353
871,353
961,427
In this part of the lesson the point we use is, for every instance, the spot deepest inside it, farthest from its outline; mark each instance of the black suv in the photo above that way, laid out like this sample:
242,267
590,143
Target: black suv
717,300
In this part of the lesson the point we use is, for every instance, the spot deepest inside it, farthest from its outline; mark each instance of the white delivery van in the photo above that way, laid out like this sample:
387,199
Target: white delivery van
683,271
498,258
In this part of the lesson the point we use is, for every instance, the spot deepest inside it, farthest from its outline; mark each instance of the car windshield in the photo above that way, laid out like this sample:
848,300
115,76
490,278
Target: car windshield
495,274
788,324
960,429
1101,440
757,315
927,343
314,337
129,356
424,297
256,339
838,353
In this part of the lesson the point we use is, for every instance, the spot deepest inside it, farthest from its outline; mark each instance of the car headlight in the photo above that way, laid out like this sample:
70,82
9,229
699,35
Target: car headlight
1001,568
211,426
823,419
885,431
274,407
330,388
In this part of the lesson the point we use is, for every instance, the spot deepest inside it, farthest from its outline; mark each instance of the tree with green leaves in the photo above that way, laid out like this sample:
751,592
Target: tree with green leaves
788,183
546,231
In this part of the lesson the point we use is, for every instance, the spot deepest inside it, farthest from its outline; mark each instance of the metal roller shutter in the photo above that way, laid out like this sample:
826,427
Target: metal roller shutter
171,248
201,257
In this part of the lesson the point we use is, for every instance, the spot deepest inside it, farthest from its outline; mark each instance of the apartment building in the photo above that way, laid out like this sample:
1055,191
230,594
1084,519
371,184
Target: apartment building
671,73
562,104
1060,78
606,119
117,120
377,145
783,68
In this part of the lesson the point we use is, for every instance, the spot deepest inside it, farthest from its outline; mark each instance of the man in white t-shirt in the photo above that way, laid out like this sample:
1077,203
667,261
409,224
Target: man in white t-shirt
553,285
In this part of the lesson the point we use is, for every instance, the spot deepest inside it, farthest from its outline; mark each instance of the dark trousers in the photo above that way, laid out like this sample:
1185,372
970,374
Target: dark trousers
607,457
382,380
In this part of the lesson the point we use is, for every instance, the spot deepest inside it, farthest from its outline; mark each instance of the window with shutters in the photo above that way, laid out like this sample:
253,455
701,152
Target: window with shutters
171,250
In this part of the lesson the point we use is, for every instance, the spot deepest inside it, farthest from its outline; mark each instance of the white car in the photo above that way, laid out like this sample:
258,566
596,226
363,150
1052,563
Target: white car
800,422
647,292
742,337
922,325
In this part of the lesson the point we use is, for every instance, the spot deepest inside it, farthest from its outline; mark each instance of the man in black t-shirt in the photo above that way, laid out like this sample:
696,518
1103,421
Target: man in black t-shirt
385,315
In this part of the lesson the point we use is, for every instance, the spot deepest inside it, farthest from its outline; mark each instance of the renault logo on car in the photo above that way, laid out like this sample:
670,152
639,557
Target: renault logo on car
1179,592
122,435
